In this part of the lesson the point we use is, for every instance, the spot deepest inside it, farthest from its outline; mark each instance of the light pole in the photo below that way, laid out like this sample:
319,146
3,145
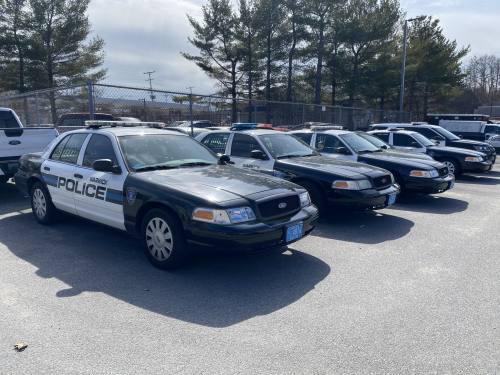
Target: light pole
403,68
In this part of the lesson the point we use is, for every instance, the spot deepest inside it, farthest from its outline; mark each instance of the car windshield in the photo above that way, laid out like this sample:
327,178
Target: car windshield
375,140
358,143
426,142
286,146
445,133
163,151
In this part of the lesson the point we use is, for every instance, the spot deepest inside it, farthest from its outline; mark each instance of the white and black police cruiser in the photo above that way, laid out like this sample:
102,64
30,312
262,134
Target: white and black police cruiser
360,186
166,188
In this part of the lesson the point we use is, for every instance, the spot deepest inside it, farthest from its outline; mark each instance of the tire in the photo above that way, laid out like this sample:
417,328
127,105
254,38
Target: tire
163,240
41,204
399,180
453,166
317,196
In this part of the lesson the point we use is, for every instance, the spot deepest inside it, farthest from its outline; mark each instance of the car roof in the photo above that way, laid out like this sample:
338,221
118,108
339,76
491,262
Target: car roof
396,125
252,131
396,132
327,131
128,130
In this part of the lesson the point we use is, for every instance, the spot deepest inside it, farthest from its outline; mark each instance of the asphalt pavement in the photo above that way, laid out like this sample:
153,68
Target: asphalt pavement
413,289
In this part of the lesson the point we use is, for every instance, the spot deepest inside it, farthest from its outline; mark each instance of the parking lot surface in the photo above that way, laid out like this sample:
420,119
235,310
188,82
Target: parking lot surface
413,289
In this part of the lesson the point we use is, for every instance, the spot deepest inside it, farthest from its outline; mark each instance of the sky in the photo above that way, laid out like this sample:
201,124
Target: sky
148,35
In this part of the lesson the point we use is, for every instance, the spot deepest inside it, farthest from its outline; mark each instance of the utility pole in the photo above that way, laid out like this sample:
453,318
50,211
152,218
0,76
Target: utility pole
150,84
191,108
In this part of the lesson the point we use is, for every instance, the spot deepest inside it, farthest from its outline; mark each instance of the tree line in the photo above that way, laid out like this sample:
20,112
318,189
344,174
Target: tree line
328,52
44,44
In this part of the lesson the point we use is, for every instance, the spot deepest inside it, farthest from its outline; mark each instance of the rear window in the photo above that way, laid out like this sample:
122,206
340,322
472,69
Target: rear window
8,120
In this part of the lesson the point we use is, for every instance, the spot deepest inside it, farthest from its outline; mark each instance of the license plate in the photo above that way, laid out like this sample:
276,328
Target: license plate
392,199
294,232
452,183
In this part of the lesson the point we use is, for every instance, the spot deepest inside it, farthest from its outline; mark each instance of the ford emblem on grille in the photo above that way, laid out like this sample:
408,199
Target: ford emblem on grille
282,205
384,181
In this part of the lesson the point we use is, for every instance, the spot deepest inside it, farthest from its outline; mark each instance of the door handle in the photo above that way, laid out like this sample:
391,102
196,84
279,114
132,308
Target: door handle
46,168
78,175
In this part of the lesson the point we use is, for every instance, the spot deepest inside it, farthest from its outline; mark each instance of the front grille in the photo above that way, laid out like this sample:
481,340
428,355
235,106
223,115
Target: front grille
271,208
443,171
382,181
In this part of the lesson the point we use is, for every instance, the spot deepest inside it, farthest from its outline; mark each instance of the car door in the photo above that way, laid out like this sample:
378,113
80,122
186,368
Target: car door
99,195
58,171
241,148
217,142
406,142
331,144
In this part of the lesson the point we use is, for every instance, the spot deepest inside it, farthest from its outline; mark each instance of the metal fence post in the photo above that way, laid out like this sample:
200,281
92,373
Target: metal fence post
37,110
340,116
411,115
5,102
255,111
303,114
91,99
369,118
191,113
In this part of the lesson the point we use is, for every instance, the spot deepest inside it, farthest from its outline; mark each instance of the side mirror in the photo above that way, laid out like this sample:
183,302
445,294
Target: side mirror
384,147
258,154
460,136
343,151
438,138
225,159
106,165
415,144
321,146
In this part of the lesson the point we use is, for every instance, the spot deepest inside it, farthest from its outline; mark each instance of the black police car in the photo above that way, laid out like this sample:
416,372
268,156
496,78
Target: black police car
165,188
458,160
411,173
282,155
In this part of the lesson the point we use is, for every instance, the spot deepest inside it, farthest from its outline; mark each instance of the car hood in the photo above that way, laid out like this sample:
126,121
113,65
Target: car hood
349,169
218,183
456,150
400,158
470,142
413,154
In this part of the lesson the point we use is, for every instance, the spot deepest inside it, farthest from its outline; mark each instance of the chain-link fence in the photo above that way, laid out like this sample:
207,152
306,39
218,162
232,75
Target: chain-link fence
72,105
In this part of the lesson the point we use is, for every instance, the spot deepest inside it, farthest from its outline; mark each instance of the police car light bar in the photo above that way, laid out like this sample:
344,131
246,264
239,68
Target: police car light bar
395,129
245,125
98,124
332,127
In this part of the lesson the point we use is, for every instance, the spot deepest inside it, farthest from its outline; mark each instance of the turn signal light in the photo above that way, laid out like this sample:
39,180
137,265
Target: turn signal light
204,215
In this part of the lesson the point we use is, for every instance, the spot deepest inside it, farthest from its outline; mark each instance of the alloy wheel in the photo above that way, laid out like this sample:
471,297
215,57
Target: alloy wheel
159,239
39,203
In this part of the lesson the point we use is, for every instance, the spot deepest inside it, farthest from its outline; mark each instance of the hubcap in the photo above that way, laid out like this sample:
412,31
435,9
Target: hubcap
39,203
451,167
159,239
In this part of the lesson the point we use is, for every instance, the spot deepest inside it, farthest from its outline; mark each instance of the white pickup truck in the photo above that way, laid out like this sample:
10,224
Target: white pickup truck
16,140
475,130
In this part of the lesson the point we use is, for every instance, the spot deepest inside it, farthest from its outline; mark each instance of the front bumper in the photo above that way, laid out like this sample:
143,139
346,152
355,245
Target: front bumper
363,199
247,238
429,185
469,166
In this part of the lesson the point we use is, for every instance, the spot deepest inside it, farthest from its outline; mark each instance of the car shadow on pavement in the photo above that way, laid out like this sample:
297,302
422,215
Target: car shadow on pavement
480,179
367,227
11,200
214,291
433,204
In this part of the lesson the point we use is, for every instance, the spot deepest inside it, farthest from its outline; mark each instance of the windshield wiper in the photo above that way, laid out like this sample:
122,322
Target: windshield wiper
154,167
289,156
198,163
365,151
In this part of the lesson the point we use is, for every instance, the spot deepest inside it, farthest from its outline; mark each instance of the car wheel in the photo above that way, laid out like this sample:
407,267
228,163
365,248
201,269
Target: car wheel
453,166
399,180
317,196
163,239
41,204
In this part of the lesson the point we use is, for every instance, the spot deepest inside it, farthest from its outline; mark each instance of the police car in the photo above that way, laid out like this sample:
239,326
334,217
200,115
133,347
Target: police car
416,174
167,189
442,136
284,156
458,160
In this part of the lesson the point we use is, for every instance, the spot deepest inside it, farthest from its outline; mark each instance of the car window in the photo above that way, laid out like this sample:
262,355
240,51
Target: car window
68,152
243,145
8,120
331,143
429,133
402,140
382,136
282,145
306,137
358,143
216,142
99,147
492,129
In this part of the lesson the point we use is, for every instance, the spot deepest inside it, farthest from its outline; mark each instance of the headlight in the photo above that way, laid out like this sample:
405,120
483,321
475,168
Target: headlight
474,159
230,216
352,185
482,148
304,199
424,174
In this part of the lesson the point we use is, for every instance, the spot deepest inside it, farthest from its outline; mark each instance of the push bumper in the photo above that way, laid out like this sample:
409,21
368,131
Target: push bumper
484,166
430,185
363,199
247,238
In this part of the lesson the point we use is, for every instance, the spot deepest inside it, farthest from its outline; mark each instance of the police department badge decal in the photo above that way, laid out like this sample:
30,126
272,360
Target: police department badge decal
131,194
